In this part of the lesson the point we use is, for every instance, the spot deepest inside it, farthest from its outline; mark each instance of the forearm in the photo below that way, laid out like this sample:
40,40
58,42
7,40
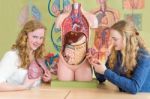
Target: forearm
128,85
11,87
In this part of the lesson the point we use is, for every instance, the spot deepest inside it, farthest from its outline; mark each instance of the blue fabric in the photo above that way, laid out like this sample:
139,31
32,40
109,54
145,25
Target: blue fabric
140,79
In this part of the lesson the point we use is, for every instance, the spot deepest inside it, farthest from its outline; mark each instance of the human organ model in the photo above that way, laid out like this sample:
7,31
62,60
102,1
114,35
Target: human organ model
75,30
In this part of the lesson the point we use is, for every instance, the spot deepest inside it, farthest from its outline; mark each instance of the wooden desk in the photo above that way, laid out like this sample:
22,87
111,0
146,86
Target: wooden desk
106,91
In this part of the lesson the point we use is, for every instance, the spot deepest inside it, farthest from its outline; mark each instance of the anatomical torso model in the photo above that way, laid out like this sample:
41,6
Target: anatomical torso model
75,31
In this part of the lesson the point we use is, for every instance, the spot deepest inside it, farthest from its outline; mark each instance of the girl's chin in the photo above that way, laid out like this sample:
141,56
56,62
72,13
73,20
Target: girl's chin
34,48
117,48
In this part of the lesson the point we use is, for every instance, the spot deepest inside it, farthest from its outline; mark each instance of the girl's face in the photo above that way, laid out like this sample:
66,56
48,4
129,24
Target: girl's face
117,39
35,39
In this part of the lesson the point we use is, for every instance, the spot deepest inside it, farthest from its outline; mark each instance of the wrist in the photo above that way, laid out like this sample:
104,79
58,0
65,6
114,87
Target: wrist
104,70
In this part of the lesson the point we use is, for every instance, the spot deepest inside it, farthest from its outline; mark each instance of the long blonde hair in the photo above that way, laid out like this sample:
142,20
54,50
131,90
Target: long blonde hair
21,42
132,42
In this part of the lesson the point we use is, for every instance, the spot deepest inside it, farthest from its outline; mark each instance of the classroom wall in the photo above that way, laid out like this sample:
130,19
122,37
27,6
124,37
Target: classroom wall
11,9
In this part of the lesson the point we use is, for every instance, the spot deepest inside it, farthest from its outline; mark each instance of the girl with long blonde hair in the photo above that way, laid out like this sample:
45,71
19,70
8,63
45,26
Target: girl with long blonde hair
128,65
14,65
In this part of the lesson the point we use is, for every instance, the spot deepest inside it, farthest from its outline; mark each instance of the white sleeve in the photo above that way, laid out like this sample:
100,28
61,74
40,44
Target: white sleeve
8,65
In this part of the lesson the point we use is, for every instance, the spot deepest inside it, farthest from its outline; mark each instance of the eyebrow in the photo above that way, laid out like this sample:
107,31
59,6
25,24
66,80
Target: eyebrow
113,37
38,36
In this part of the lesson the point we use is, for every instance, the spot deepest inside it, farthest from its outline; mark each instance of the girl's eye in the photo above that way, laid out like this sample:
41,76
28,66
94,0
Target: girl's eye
115,39
35,37
41,37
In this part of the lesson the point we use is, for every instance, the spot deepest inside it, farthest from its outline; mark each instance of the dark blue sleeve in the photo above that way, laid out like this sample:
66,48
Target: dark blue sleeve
99,77
133,84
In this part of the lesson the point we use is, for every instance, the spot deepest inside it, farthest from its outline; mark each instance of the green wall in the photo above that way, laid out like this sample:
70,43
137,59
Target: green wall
10,10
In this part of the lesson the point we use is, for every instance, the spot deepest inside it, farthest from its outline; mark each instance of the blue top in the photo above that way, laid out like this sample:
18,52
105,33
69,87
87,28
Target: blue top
138,82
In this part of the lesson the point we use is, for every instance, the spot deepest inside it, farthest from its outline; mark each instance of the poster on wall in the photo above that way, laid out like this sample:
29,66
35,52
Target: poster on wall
136,18
106,15
133,4
54,10
29,11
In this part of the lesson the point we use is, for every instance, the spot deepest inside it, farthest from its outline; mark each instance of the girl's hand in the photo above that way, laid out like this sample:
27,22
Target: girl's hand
90,55
47,76
28,83
99,67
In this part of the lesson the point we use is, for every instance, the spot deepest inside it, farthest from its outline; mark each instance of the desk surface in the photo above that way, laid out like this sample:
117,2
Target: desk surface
105,91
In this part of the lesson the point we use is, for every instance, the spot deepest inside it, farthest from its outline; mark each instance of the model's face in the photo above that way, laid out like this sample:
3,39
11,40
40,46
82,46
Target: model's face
117,39
35,39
